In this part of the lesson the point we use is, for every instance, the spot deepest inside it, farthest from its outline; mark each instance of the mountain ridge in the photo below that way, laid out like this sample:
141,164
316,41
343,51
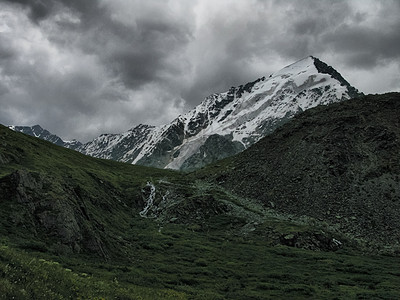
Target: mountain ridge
41,133
226,123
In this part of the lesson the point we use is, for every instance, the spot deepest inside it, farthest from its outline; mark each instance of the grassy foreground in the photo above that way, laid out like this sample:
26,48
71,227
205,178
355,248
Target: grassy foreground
178,263
70,229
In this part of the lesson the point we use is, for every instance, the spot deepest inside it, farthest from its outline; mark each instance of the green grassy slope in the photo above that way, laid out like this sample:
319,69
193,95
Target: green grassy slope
180,264
72,202
70,227
25,276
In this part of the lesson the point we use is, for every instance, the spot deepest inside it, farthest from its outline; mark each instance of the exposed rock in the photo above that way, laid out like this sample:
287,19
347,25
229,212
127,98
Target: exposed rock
57,217
311,241
216,147
4,159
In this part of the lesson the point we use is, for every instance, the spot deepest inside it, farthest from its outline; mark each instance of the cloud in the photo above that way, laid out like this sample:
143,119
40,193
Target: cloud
83,77
366,47
38,10
81,68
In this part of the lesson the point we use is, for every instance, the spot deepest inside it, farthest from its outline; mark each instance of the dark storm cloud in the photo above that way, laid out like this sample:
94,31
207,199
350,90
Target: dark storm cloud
90,64
366,47
38,9
263,31
352,34
81,67
135,52
139,54
6,52
364,40
305,23
41,9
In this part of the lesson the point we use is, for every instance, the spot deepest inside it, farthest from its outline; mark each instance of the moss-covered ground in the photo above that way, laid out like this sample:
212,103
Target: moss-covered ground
178,263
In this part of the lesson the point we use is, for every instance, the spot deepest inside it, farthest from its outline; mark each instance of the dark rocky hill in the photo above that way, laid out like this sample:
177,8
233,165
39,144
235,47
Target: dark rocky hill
338,164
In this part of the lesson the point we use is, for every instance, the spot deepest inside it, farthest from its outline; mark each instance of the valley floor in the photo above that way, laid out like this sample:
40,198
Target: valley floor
175,262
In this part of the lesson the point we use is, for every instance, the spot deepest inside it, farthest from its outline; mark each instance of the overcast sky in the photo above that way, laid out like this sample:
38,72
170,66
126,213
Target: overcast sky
80,68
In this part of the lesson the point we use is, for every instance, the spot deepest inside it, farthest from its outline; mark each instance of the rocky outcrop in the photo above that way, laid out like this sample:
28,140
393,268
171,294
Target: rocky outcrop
320,241
52,210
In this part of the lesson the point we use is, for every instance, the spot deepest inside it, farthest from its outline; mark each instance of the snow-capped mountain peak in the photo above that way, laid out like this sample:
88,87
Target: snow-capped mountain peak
224,123
228,122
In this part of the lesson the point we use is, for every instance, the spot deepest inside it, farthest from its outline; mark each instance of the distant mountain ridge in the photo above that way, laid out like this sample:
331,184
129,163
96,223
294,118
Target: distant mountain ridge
39,132
226,123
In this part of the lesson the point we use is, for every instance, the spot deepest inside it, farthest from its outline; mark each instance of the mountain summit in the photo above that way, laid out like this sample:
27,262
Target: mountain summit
225,123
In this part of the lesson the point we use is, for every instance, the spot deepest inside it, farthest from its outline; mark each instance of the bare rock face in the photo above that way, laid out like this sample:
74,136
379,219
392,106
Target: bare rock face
50,209
216,147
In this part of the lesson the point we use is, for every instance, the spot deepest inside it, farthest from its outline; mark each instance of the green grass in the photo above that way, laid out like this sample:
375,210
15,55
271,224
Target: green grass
25,276
181,263
220,246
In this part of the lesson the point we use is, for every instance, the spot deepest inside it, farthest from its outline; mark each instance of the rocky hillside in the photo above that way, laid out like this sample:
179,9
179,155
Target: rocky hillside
338,164
227,123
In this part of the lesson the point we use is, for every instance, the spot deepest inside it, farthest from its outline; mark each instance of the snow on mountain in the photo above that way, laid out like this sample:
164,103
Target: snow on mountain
122,147
39,132
227,123
223,124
